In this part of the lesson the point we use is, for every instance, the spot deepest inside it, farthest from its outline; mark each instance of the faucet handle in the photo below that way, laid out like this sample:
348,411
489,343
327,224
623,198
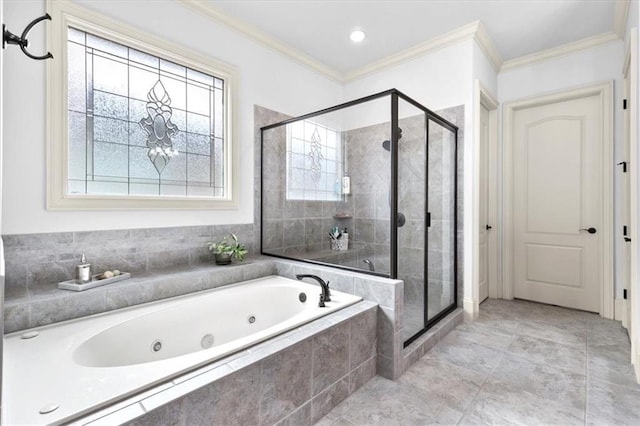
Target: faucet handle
321,303
328,298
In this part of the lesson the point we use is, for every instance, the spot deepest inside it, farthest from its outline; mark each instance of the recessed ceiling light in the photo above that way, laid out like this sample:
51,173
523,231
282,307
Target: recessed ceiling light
357,36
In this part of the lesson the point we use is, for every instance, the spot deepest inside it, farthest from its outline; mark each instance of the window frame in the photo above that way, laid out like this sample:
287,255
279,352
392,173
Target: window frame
65,14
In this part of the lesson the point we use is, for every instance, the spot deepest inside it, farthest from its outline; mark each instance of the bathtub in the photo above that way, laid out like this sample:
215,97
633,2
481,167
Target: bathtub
89,363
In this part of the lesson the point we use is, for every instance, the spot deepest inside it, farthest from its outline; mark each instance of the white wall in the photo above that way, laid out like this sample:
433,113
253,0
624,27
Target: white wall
484,72
437,80
267,78
595,65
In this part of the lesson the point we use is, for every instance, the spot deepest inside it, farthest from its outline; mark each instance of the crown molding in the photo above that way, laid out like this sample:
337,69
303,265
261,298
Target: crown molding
466,32
473,31
620,16
486,44
256,35
563,50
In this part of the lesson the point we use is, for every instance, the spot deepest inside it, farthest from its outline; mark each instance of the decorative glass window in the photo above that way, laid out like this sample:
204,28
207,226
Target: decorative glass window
141,125
135,121
314,165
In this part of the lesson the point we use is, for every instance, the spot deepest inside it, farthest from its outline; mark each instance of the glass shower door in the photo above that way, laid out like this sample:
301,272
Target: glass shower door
411,230
441,236
426,225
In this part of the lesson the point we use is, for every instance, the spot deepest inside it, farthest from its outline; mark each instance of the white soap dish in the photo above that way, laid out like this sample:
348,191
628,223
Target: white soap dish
74,285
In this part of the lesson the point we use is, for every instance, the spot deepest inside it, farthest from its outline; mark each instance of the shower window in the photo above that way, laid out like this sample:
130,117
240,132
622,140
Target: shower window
142,126
313,162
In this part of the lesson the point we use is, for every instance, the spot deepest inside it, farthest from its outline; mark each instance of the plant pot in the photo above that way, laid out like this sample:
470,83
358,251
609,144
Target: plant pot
223,258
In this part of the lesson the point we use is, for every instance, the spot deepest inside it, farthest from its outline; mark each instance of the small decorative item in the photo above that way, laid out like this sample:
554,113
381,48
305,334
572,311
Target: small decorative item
339,239
227,249
83,271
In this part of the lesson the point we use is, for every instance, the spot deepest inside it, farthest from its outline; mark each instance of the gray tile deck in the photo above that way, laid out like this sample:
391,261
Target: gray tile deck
518,363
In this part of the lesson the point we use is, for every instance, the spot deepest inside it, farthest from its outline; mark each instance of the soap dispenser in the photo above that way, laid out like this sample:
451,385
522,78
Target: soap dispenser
83,270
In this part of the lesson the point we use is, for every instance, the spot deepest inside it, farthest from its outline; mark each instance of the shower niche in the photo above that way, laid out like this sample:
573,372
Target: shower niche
370,186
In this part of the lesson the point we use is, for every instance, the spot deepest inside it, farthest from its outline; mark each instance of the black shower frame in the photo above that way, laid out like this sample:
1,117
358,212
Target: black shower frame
394,95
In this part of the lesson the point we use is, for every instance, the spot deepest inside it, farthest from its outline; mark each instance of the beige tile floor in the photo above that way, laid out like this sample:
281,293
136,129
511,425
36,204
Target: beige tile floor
518,363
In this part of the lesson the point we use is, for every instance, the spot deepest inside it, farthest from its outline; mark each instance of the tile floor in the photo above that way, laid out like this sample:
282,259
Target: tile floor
517,363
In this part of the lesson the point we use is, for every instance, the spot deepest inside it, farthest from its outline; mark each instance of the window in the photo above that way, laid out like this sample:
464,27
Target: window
314,165
142,125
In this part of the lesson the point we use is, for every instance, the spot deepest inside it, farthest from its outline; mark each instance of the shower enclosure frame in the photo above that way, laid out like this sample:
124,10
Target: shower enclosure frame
394,96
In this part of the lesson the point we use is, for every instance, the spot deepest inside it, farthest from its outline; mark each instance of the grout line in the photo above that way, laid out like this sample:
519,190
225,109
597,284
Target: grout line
586,373
471,404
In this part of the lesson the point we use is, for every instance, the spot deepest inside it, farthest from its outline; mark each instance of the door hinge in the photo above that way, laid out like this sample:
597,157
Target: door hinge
624,294
624,104
428,219
624,166
624,230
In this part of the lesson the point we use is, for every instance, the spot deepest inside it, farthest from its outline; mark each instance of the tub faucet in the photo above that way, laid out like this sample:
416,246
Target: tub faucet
372,267
325,296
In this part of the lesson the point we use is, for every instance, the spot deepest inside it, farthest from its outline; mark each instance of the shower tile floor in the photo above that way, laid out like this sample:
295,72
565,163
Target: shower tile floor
517,363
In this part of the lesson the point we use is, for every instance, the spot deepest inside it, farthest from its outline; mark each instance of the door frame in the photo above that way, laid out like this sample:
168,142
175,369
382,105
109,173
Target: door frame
482,97
605,92
622,305
634,159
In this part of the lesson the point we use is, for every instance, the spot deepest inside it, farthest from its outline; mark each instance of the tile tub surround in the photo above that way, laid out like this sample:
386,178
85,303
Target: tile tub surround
35,263
295,378
517,363
57,305
392,358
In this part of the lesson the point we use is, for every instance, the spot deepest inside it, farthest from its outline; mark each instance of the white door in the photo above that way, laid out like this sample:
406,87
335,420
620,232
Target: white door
484,204
557,174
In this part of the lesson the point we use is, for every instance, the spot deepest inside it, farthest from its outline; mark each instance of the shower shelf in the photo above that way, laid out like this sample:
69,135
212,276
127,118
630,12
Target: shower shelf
342,216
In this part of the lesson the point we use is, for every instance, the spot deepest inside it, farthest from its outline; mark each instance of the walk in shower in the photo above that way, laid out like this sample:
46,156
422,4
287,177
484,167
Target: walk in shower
369,185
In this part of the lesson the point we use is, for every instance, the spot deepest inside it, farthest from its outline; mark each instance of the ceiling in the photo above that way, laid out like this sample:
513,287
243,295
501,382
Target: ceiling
320,29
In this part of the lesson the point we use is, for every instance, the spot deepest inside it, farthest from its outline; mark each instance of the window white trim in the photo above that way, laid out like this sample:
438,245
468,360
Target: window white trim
65,14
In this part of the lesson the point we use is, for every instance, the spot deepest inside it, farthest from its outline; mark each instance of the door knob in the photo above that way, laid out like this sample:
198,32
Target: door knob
589,230
488,227
627,239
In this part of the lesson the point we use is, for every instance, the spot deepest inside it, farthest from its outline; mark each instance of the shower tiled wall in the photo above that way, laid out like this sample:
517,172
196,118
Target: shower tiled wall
369,167
296,228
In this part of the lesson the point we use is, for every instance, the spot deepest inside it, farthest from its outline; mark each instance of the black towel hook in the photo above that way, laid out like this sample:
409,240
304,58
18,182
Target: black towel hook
9,38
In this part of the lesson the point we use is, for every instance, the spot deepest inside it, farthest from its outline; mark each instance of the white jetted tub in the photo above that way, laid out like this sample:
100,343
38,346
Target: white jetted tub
88,363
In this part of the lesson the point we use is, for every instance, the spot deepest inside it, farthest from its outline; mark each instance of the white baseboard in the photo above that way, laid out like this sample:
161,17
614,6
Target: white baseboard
636,366
470,306
620,311
617,309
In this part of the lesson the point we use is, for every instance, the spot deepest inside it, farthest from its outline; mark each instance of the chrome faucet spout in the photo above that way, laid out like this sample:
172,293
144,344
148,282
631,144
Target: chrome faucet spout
372,267
325,296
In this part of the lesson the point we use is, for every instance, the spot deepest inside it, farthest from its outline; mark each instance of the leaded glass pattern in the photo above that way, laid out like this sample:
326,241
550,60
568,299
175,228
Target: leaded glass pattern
140,125
314,162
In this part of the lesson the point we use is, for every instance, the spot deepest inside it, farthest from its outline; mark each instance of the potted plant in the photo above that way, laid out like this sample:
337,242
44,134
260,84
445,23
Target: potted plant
227,249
